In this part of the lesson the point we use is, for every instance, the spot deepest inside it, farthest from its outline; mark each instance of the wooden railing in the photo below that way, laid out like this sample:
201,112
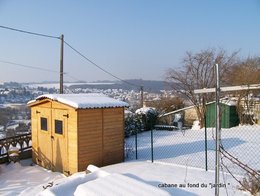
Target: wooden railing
23,142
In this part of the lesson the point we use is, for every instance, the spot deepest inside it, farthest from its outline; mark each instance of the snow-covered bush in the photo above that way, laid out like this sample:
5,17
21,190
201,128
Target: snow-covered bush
133,124
149,116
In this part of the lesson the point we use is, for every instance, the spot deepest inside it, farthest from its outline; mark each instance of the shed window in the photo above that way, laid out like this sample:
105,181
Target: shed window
58,127
44,126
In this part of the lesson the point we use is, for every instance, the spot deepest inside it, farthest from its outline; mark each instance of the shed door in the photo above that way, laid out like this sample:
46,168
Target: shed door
44,148
59,140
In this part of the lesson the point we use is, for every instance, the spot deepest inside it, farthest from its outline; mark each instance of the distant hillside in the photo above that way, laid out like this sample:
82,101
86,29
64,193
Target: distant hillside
149,85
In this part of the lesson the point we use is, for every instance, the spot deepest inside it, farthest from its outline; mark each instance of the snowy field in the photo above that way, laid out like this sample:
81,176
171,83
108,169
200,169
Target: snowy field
25,180
188,147
16,178
196,181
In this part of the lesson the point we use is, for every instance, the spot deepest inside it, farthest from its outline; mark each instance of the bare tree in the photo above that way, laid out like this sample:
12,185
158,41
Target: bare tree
244,73
166,104
197,72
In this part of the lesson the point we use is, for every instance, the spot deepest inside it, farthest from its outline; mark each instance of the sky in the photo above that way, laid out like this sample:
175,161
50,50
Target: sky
134,39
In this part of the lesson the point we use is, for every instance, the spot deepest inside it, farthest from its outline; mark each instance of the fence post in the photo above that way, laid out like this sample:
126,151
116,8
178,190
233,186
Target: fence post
217,164
206,145
206,138
136,145
152,143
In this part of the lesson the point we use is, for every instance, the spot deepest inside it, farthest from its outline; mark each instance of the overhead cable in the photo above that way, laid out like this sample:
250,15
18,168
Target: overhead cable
38,68
75,50
29,66
29,32
99,67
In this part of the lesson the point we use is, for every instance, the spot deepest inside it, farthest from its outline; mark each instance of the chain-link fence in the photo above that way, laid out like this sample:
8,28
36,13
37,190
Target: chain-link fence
195,147
240,146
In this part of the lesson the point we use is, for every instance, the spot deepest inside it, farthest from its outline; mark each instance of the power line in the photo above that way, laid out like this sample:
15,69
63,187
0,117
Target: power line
29,32
99,67
71,76
29,66
55,37
39,68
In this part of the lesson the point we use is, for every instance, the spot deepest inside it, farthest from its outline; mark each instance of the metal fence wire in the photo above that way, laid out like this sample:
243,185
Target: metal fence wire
195,147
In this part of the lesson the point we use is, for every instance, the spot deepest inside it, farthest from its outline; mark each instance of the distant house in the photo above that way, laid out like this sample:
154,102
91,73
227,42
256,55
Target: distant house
71,131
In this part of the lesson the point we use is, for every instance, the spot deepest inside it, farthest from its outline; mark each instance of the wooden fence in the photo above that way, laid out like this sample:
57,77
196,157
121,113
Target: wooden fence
23,142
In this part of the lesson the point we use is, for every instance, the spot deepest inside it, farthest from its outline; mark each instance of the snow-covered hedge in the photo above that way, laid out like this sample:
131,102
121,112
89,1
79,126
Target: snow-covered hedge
133,124
149,116
143,119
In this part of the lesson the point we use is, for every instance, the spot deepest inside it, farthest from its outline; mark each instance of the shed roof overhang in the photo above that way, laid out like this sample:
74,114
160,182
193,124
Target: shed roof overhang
80,101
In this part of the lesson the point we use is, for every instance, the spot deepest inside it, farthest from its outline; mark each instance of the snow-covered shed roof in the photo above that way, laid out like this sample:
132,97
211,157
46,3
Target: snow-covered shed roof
90,100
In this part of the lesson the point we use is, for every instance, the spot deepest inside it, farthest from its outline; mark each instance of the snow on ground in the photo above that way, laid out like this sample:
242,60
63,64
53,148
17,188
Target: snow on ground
18,177
157,174
68,84
29,180
187,147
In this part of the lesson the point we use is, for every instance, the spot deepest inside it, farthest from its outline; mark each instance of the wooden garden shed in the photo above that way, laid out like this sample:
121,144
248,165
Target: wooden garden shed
229,116
71,131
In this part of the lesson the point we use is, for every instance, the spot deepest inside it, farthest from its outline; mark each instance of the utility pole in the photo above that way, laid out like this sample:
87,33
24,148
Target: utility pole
142,96
218,128
61,64
218,136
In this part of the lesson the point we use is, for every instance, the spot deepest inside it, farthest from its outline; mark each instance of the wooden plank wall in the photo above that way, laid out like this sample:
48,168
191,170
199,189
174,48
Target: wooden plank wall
72,135
34,122
113,135
41,139
72,141
100,137
89,138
